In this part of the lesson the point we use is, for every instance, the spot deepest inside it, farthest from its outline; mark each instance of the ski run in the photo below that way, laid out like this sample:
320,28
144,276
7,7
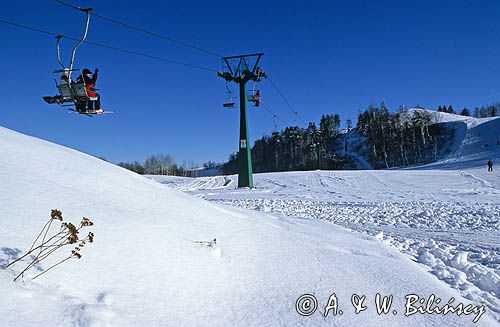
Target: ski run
417,235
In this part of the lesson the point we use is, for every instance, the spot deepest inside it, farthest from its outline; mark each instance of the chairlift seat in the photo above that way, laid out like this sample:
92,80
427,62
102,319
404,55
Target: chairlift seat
229,105
79,90
65,91
255,98
75,92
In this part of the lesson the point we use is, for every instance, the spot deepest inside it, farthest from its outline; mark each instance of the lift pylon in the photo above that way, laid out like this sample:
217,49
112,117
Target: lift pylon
241,69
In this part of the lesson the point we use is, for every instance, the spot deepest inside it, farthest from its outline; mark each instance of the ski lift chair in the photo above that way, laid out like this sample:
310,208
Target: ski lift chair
275,132
80,92
69,92
255,98
229,105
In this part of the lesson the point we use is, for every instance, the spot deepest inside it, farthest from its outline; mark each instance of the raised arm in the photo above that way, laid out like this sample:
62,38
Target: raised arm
95,75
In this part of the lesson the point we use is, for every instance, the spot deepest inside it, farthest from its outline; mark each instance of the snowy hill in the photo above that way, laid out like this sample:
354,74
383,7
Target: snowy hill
471,140
475,140
145,269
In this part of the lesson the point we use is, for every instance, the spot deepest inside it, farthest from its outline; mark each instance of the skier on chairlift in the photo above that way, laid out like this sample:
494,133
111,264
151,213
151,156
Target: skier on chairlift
65,76
90,81
82,93
79,105
257,98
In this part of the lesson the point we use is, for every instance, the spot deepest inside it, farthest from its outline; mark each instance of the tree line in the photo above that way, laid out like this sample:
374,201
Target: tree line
381,138
402,138
491,110
160,164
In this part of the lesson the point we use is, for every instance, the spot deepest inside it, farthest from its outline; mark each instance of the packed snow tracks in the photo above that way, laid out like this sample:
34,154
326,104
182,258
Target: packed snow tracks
446,220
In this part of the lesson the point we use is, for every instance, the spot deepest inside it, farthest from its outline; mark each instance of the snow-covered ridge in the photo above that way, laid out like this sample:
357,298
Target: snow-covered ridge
145,268
470,139
475,140
444,117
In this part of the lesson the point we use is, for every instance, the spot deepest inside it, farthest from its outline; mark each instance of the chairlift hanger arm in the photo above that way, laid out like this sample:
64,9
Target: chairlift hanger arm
58,37
82,39
87,22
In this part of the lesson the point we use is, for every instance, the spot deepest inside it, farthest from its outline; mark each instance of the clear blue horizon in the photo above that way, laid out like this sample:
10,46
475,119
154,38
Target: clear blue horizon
325,56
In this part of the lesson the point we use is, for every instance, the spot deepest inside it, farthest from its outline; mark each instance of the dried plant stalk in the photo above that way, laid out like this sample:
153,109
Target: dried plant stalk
46,244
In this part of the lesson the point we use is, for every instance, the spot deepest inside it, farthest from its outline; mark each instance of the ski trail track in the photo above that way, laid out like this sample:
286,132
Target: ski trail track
447,221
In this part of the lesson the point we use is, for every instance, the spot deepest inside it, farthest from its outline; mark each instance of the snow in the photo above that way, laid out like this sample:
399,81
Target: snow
147,266
453,231
204,172
444,216
475,141
471,122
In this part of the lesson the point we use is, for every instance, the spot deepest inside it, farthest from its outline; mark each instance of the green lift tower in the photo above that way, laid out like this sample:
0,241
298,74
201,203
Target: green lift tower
240,70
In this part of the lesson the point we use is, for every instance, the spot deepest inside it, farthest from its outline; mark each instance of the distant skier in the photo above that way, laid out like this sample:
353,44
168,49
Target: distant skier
490,165
90,82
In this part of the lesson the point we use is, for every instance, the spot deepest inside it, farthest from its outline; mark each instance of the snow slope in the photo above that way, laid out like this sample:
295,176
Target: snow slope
447,220
475,141
444,117
443,215
472,142
144,268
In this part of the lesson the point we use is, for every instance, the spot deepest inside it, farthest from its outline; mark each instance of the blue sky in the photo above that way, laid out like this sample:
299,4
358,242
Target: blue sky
326,57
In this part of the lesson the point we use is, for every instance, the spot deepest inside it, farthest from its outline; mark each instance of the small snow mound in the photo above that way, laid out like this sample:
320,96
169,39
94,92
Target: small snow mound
427,258
490,282
379,237
459,260
216,252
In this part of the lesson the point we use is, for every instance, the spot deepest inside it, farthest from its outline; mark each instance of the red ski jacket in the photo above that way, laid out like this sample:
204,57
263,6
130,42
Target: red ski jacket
90,84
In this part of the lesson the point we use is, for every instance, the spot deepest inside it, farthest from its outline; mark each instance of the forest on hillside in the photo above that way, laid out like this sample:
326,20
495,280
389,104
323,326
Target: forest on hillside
380,138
